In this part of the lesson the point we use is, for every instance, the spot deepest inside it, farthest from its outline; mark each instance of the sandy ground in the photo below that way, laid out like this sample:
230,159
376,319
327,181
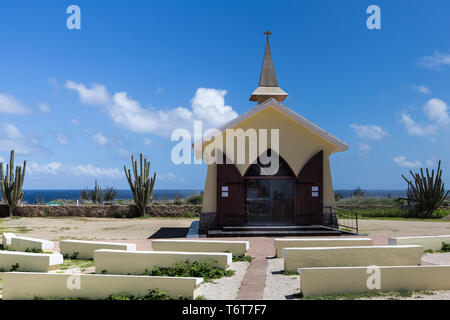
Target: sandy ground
225,288
396,228
89,228
278,285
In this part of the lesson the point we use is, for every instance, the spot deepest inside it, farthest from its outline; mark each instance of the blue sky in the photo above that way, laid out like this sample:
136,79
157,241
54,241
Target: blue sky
77,103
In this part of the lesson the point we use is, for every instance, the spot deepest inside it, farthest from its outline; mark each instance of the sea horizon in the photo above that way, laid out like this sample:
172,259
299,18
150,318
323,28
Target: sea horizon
47,195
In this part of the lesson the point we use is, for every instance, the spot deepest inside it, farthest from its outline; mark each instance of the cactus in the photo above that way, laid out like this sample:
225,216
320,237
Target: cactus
96,194
11,184
142,186
427,192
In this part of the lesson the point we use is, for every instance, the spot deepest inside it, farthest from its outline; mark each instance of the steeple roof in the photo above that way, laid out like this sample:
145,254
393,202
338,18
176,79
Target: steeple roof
268,85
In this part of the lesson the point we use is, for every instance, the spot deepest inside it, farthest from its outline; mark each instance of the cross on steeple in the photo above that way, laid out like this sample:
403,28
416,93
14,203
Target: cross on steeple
267,33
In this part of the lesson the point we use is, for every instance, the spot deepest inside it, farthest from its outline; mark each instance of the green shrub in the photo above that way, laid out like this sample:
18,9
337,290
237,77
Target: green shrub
195,200
445,247
206,270
178,202
242,258
14,267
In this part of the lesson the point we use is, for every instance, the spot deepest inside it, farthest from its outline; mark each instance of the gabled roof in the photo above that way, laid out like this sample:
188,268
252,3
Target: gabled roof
271,102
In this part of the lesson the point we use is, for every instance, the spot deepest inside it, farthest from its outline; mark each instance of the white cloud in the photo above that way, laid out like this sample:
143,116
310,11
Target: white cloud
437,113
364,146
9,104
100,139
414,129
404,163
123,153
207,105
369,132
435,61
14,139
49,168
90,170
422,89
96,95
62,138
75,121
168,176
44,107
147,142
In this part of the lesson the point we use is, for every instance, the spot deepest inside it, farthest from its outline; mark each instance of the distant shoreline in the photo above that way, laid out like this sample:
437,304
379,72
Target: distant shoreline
31,195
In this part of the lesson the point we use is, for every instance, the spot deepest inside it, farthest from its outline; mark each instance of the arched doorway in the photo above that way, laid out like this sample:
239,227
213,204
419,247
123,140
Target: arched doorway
269,199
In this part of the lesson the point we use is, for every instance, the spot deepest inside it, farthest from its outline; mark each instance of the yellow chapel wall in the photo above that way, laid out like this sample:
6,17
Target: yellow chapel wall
298,145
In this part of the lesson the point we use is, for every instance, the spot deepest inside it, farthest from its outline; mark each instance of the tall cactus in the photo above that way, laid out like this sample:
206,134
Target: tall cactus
11,184
427,192
142,186
96,194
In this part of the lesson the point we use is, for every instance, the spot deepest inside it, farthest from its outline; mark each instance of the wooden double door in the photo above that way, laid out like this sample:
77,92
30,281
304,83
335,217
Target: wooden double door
283,198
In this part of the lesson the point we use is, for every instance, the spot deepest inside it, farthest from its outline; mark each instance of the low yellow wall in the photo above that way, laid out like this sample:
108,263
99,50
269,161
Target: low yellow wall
32,262
21,286
319,242
6,239
24,243
351,256
237,248
86,249
139,262
427,242
323,281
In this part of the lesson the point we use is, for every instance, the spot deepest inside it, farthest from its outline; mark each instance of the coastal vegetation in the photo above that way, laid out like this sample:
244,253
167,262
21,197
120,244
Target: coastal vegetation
11,184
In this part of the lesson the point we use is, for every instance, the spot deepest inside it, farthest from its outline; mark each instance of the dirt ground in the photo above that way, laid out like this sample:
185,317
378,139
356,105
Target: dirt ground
89,228
140,229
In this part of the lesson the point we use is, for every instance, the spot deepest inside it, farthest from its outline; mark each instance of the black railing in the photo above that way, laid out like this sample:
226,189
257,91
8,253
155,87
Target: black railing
343,219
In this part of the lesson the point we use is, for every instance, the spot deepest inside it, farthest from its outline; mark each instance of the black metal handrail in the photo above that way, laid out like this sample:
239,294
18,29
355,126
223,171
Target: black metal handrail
346,219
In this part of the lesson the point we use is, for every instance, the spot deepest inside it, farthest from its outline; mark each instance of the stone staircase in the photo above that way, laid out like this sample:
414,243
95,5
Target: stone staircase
274,231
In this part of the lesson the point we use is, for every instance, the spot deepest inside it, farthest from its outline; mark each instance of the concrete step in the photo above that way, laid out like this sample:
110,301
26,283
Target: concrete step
273,233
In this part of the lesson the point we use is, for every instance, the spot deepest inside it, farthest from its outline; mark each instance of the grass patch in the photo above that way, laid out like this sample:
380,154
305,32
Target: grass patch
77,263
370,294
393,213
290,273
243,257
206,270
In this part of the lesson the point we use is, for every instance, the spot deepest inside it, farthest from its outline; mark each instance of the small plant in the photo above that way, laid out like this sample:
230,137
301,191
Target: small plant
445,247
178,202
104,271
206,270
85,195
195,200
152,294
428,251
358,192
15,267
73,256
34,250
96,194
11,183
109,194
243,257
426,192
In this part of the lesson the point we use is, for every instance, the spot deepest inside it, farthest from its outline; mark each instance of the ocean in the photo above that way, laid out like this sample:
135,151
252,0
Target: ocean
50,195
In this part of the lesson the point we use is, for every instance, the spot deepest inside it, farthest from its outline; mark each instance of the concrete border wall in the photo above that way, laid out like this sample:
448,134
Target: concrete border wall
30,262
85,249
342,280
6,239
318,242
25,286
427,242
237,248
351,256
25,243
140,262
